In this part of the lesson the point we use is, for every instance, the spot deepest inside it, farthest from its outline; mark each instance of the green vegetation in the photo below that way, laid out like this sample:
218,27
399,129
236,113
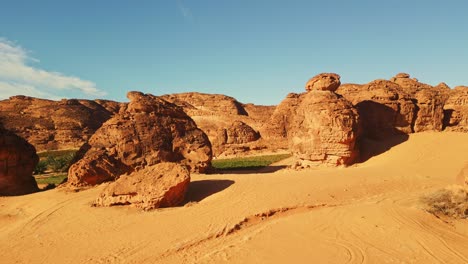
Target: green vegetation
52,167
248,163
51,179
54,161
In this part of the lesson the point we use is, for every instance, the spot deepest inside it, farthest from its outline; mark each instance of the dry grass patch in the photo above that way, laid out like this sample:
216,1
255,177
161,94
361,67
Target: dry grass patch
450,202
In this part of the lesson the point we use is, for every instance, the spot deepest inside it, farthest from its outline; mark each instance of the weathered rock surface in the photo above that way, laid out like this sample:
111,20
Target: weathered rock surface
17,161
280,121
53,125
324,129
146,131
238,133
214,114
429,100
456,110
195,104
384,109
324,82
161,185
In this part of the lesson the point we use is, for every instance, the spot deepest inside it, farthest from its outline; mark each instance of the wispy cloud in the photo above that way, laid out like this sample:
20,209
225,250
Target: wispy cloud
184,10
18,77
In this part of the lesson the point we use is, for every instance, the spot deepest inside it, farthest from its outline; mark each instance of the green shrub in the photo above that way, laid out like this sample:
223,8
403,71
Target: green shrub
55,179
41,167
60,163
54,161
247,163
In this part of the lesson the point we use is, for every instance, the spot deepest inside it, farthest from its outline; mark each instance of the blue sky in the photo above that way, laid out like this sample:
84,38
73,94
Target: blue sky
256,51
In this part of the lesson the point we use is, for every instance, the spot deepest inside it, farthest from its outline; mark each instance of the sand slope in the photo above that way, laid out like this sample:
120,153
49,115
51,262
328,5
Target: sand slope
368,213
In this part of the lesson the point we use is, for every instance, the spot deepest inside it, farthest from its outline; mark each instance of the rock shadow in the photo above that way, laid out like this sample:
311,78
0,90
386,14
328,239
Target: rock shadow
370,147
381,126
379,121
199,190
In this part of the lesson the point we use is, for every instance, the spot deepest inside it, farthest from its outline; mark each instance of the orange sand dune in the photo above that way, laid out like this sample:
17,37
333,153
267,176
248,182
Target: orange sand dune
368,213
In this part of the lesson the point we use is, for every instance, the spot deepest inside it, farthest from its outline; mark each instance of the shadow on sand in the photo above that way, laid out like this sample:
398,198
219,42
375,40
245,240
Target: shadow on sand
199,190
370,148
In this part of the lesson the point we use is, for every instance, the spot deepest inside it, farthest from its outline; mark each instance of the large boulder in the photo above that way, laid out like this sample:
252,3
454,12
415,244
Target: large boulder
324,129
54,125
161,185
237,133
147,131
18,159
324,82
280,121
456,110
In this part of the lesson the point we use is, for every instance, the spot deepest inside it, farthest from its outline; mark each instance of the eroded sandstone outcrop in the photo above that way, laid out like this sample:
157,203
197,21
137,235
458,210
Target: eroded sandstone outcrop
325,127
429,101
324,82
53,125
384,108
146,131
237,133
215,114
456,110
280,121
18,159
160,185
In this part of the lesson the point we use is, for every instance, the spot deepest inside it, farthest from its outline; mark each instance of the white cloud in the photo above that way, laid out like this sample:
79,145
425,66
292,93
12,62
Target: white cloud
184,10
19,78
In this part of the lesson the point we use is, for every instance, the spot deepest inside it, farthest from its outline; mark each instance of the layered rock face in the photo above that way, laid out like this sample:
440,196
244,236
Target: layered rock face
325,127
53,125
199,104
429,100
399,106
280,121
17,161
161,185
383,107
218,116
456,110
146,131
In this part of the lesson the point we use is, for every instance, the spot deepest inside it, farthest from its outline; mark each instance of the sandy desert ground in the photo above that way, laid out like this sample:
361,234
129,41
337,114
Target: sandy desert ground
368,213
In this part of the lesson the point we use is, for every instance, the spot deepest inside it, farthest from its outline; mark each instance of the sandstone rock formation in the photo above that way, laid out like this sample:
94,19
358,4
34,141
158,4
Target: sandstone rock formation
324,128
52,125
429,100
215,114
384,108
237,133
146,131
280,120
199,104
324,82
456,110
17,161
160,185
